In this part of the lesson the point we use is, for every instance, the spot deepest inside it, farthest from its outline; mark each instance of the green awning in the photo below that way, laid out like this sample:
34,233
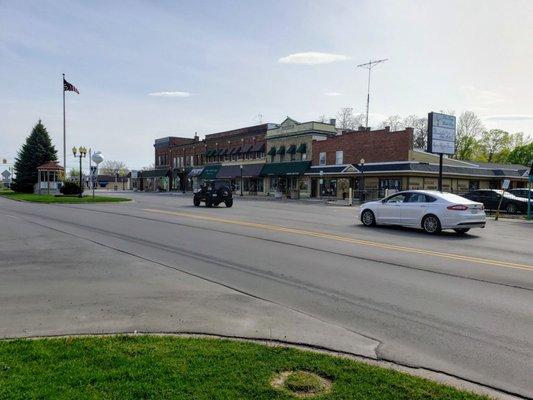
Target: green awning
155,173
292,149
210,153
281,150
286,168
302,148
272,151
210,172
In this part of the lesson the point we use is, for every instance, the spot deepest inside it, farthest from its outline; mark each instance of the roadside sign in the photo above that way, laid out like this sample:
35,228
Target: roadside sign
441,133
505,184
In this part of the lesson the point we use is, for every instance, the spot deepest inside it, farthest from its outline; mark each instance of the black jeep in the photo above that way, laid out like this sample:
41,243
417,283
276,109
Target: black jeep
213,193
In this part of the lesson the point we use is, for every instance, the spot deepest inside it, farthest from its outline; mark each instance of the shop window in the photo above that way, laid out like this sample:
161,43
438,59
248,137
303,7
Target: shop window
322,158
339,157
272,157
281,157
293,157
473,185
304,156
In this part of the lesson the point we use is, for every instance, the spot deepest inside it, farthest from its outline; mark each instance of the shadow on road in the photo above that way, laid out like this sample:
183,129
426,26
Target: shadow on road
414,232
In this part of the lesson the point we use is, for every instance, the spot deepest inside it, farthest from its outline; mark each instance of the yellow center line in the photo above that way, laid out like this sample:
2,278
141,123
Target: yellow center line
346,239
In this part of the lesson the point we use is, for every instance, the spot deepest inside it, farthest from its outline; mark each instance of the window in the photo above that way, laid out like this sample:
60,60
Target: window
192,160
322,159
420,198
281,157
293,156
338,157
397,198
304,156
272,158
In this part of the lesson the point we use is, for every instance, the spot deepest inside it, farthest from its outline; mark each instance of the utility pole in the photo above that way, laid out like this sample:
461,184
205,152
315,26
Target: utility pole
369,65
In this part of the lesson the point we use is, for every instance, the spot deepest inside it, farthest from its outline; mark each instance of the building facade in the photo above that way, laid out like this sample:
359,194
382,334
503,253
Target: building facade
289,152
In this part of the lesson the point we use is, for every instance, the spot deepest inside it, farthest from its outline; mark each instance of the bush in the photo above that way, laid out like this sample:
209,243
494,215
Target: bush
70,188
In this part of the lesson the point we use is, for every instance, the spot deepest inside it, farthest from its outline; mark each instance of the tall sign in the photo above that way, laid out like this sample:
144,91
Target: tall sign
441,137
441,133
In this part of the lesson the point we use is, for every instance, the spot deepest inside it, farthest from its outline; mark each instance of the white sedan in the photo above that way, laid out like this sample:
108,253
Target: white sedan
426,209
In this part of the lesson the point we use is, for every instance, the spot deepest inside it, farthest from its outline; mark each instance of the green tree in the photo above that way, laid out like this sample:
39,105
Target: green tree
469,130
37,150
494,146
522,155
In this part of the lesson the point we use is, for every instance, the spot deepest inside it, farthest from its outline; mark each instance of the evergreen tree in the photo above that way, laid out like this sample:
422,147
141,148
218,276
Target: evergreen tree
37,150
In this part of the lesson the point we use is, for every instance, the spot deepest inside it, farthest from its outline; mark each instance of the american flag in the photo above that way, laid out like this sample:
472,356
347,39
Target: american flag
69,87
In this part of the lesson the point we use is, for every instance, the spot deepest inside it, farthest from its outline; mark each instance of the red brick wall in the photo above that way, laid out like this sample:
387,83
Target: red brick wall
374,146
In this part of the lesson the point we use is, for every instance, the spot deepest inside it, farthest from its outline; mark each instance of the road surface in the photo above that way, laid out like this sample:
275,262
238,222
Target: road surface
301,272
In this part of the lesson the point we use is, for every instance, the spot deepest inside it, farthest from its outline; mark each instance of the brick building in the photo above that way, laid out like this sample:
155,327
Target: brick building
373,146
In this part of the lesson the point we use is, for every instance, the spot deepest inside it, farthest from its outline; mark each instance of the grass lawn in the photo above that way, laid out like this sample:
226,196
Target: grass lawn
44,198
152,367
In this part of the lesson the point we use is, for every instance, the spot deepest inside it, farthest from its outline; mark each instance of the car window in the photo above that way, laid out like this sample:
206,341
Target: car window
417,198
398,198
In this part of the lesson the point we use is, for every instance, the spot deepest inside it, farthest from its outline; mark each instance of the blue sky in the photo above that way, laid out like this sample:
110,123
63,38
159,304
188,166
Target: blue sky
224,58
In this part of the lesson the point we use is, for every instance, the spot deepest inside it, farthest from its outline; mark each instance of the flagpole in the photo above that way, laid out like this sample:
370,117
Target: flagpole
64,130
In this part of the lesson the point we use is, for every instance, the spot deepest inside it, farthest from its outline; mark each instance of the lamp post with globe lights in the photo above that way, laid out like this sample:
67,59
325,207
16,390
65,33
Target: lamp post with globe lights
81,152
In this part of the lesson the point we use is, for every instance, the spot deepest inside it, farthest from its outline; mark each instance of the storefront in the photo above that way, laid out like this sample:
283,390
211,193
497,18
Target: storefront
198,175
155,180
252,181
287,179
333,181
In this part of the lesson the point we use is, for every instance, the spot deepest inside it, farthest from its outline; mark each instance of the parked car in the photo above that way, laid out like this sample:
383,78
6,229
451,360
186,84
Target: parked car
522,192
491,199
426,209
214,193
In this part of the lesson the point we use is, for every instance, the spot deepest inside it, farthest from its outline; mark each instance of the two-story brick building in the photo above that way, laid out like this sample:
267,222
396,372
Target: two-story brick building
289,151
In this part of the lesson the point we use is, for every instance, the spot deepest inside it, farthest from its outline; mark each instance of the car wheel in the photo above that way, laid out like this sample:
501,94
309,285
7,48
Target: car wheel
367,218
229,203
431,224
511,208
461,231
196,202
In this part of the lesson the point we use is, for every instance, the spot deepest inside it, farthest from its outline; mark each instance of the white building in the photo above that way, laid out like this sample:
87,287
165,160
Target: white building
7,173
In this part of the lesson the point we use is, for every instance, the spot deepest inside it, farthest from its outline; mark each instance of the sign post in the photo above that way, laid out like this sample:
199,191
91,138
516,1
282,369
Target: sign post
505,186
441,138
530,181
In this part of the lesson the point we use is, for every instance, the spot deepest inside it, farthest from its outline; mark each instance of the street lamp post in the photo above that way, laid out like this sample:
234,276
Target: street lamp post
81,152
241,179
321,183
362,164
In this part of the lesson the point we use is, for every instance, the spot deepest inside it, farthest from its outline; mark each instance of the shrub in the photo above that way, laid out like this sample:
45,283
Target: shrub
70,188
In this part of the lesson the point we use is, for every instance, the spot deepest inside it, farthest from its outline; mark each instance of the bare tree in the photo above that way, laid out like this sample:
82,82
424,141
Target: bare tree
469,131
111,167
420,130
395,123
321,118
346,119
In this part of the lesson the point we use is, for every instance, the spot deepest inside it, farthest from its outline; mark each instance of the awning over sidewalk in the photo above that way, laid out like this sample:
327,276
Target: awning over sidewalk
345,169
155,173
195,172
285,168
209,172
234,171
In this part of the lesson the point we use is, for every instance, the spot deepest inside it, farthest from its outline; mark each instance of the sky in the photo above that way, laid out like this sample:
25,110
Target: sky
149,69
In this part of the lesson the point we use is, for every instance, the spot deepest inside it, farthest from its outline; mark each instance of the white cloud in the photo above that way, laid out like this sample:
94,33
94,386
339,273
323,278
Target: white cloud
509,117
170,94
332,94
312,58
482,98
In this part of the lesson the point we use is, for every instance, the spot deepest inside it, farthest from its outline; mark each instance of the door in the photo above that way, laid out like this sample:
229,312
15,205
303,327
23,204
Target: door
414,208
389,211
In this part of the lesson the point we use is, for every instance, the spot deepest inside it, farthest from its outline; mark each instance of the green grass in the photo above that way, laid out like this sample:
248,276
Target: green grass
153,367
304,382
45,198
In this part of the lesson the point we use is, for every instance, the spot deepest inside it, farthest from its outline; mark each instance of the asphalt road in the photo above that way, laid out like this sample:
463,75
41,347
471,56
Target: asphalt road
299,271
